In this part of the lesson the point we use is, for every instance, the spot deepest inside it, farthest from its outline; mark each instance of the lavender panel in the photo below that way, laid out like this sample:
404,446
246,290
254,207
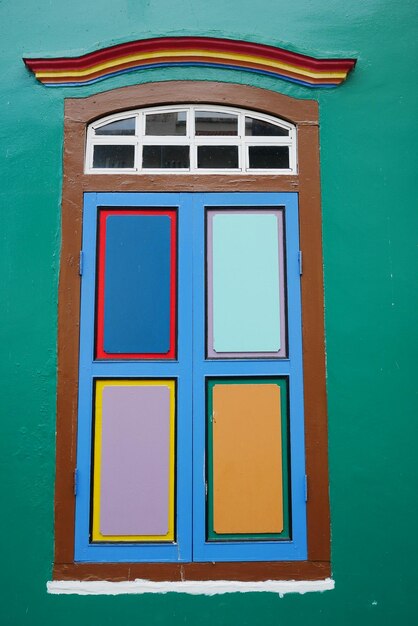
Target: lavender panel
135,460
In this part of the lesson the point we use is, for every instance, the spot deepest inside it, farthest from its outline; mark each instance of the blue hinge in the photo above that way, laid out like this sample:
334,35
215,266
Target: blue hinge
300,262
306,488
80,263
75,481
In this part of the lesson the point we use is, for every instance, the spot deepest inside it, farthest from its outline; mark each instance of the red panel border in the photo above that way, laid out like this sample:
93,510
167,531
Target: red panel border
100,352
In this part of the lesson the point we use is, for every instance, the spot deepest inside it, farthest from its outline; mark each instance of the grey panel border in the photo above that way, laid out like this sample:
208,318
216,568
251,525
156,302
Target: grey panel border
210,352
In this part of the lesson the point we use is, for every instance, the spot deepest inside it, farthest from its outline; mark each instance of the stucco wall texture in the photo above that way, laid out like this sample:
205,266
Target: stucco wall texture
368,149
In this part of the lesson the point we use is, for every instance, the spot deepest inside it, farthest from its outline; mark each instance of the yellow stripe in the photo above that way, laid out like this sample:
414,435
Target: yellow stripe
190,53
100,385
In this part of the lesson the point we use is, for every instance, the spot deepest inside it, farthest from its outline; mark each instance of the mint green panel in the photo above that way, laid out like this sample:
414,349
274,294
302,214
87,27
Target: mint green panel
246,308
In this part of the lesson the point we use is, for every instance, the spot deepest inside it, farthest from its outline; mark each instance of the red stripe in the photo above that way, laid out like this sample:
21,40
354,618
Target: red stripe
162,44
100,351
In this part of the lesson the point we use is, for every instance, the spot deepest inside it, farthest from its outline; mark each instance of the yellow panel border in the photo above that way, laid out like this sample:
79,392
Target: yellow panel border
97,464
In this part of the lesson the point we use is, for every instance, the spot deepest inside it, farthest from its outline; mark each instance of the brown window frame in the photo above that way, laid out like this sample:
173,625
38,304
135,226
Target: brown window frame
79,113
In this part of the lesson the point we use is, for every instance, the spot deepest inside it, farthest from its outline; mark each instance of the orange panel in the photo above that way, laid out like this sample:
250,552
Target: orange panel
247,459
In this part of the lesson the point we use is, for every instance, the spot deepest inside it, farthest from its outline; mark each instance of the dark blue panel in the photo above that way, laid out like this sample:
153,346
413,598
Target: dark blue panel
137,284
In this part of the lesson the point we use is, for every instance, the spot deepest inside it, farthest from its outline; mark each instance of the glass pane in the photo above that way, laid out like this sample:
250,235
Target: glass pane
259,128
120,127
211,123
114,156
269,157
165,157
219,157
165,124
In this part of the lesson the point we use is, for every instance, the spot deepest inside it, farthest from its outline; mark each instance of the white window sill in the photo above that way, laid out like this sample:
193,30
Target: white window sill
208,588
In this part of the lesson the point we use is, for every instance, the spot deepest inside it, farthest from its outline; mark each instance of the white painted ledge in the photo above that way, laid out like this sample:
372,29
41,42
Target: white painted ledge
207,588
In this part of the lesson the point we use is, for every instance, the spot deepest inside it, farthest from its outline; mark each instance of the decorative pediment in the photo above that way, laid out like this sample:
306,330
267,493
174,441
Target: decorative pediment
190,51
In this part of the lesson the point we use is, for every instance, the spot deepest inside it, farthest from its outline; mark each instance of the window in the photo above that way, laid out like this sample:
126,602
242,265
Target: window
196,391
202,139
198,372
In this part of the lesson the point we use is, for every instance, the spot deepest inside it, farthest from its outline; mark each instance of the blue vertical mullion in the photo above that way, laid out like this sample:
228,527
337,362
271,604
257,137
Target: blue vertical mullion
184,412
199,391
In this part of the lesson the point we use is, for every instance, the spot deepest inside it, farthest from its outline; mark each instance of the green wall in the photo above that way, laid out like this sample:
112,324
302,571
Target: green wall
368,147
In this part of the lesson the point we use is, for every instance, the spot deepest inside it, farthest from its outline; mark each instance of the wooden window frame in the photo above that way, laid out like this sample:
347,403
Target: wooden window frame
79,113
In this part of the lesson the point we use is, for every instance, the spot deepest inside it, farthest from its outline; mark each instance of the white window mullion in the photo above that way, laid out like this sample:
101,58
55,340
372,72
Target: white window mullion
89,156
157,140
115,140
241,127
247,158
138,157
193,156
190,123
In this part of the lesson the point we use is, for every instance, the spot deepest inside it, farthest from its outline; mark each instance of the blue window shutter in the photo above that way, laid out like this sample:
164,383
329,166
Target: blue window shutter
192,370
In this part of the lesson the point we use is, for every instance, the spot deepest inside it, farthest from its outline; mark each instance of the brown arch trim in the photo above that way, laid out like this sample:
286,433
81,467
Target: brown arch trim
304,114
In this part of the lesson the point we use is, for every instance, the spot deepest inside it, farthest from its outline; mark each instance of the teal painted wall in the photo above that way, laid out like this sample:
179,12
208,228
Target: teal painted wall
368,149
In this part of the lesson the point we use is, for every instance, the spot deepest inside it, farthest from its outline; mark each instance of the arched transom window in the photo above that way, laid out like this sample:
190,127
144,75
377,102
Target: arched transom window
201,139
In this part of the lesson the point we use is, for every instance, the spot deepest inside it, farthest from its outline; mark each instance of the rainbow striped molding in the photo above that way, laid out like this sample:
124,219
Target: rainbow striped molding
190,51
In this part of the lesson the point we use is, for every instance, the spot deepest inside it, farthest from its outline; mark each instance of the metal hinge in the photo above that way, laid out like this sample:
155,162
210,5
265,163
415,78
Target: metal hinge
300,262
75,481
306,488
81,263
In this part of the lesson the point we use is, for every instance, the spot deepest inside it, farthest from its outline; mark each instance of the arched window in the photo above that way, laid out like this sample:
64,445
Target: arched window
191,413
190,138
